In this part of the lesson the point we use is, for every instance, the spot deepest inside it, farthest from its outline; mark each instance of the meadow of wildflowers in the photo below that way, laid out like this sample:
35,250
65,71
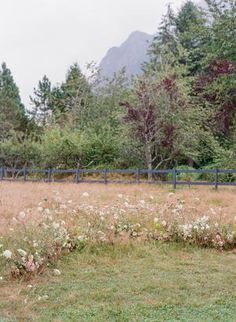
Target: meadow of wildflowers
37,236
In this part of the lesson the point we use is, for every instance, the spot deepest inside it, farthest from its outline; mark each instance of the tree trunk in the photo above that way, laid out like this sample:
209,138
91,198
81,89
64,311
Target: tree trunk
148,156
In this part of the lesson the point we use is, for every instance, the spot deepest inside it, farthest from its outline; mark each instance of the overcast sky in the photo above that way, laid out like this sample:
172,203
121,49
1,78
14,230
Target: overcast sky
40,37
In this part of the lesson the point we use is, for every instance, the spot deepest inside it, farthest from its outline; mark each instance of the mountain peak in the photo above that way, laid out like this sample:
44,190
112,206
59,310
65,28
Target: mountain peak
130,54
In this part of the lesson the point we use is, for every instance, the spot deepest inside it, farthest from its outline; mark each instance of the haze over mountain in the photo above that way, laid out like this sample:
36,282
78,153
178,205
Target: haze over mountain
131,54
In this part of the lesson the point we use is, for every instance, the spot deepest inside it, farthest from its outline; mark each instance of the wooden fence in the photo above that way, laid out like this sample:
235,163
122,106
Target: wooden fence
173,176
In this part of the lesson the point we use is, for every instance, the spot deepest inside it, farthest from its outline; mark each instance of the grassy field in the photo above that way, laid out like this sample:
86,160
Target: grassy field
147,283
15,197
128,281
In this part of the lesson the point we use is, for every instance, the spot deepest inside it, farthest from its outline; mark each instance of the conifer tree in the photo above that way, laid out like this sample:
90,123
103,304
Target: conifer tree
41,101
12,111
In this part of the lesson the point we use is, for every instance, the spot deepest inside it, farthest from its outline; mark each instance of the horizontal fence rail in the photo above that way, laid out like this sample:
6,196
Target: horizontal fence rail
172,176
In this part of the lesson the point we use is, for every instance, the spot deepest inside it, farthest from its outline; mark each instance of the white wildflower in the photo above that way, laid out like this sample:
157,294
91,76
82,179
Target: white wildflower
47,211
156,220
120,195
55,225
22,252
85,194
164,223
35,244
44,297
22,215
56,272
81,237
116,216
7,253
40,209
213,211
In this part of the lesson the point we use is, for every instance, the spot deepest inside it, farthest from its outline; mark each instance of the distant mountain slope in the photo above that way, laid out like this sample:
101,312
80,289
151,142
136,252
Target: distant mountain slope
131,54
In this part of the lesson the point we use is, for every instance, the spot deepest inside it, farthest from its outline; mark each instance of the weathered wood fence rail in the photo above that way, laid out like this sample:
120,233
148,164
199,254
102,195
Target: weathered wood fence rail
172,176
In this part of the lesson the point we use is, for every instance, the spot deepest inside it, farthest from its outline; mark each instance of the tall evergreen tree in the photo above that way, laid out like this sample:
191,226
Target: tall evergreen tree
192,32
12,111
76,94
41,101
164,42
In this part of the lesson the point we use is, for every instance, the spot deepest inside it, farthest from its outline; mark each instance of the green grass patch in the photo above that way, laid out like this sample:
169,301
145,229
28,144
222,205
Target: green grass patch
152,282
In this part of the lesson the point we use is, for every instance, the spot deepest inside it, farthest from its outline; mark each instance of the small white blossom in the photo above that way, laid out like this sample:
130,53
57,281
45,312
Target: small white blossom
55,225
22,215
7,253
22,252
47,211
56,272
163,223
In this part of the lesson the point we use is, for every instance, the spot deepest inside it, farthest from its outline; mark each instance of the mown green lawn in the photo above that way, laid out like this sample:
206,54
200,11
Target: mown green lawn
152,282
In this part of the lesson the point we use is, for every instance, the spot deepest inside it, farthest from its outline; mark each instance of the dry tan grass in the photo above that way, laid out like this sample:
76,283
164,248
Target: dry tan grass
15,197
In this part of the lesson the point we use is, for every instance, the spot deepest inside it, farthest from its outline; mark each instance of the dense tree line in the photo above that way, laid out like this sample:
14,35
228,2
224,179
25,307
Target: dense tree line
180,112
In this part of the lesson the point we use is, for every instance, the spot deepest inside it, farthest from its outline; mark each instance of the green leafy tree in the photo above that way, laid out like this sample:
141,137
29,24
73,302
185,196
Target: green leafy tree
18,151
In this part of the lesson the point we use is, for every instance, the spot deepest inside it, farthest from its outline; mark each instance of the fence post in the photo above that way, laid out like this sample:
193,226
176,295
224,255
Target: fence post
50,175
216,178
25,172
1,173
174,178
138,176
105,176
77,176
